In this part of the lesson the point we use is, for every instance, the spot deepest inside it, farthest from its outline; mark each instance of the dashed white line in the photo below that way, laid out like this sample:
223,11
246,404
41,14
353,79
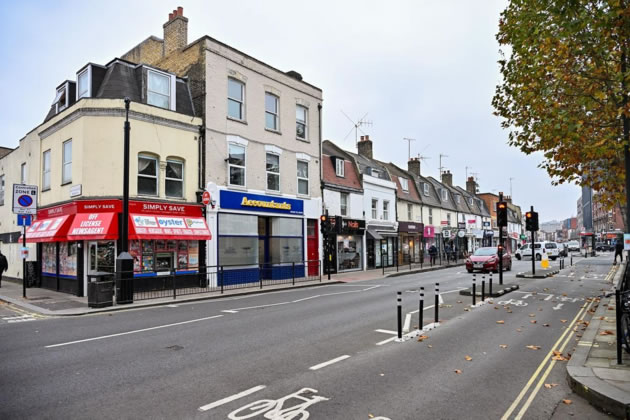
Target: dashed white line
380,343
387,331
231,398
132,332
330,362
306,298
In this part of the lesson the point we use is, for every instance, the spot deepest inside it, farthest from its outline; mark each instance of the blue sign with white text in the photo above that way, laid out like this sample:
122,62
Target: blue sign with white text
256,202
24,219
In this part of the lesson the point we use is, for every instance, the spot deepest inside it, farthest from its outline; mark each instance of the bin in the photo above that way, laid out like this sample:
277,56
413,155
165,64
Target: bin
100,290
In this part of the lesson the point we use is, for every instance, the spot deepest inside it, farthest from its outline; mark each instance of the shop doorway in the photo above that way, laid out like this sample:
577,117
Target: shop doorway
312,247
101,256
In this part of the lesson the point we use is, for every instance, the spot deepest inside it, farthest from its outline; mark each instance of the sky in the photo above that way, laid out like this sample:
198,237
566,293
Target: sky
424,69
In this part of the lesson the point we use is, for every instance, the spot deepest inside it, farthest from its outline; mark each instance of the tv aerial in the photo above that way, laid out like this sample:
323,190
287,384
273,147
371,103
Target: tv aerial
357,126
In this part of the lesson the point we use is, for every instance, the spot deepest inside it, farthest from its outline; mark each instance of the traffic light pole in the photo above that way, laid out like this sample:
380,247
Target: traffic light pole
533,250
500,250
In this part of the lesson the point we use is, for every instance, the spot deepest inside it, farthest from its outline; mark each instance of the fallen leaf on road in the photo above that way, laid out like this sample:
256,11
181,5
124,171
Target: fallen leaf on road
503,346
459,301
549,386
567,402
546,289
509,311
601,318
533,347
540,309
501,322
496,307
533,321
532,315
371,416
468,358
559,358
563,320
458,371
430,346
606,332
557,352
423,337
546,325
518,329
467,309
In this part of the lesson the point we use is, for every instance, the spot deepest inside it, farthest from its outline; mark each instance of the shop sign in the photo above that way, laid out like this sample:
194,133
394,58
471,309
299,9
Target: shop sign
410,227
472,221
113,206
444,222
626,241
489,233
486,224
349,226
257,202
429,231
446,233
171,222
462,225
75,190
523,237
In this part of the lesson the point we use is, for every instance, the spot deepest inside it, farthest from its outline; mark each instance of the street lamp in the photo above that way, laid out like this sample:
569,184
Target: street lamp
124,261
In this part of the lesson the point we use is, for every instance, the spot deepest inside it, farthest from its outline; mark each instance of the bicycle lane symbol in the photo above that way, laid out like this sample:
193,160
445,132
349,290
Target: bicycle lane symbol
515,302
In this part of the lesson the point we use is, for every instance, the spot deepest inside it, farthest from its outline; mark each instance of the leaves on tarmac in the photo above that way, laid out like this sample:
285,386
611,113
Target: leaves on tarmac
563,321
423,337
567,402
549,386
606,332
546,325
468,358
458,371
533,321
532,315
519,330
501,322
503,346
533,347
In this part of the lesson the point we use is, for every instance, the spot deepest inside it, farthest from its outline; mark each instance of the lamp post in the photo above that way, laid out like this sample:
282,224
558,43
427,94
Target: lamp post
124,261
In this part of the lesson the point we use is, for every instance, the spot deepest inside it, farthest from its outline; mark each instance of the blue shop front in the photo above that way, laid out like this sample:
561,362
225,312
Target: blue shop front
260,237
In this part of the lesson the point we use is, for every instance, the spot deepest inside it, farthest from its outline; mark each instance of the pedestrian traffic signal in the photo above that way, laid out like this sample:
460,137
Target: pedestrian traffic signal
500,249
502,214
531,221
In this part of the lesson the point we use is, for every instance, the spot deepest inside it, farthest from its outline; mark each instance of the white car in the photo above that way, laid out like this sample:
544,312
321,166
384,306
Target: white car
550,248
573,246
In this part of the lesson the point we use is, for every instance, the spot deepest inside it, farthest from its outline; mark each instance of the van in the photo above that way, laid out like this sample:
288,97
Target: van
550,248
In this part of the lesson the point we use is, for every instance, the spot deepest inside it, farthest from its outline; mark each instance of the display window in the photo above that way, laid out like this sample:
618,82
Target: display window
68,259
349,252
49,258
164,255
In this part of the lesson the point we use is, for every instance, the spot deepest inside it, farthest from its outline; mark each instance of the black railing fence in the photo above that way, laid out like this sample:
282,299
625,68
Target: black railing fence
215,279
622,312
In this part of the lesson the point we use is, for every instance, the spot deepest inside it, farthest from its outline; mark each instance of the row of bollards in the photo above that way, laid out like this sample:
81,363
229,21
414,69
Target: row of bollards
483,288
420,308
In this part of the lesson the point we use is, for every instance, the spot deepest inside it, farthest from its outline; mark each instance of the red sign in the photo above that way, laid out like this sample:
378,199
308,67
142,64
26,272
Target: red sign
145,207
429,231
92,226
99,206
205,198
444,222
49,230
472,221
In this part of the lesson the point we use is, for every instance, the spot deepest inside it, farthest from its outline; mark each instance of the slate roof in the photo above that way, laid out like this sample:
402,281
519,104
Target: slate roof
431,199
120,78
462,206
365,165
448,204
412,192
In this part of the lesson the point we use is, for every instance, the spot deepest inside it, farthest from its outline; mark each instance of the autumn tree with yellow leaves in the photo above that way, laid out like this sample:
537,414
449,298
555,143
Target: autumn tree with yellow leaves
566,77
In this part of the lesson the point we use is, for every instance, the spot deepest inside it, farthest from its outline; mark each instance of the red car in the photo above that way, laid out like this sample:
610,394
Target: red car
486,259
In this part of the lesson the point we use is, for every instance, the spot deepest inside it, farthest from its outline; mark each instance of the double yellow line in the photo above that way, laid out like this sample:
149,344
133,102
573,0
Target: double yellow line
566,336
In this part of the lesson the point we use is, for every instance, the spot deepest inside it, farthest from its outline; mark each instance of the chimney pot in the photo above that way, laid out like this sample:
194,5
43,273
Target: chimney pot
180,11
170,16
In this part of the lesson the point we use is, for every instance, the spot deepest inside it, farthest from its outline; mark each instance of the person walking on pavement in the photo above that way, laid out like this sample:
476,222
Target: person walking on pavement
4,265
432,253
619,251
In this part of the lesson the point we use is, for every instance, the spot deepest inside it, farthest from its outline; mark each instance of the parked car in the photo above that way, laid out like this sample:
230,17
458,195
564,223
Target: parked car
574,246
550,248
603,246
487,259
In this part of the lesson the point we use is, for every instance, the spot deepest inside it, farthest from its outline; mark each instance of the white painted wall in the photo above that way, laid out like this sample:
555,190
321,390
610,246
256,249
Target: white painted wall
332,202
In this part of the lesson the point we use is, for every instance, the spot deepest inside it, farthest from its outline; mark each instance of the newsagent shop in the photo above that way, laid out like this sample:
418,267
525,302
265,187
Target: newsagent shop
264,237
81,238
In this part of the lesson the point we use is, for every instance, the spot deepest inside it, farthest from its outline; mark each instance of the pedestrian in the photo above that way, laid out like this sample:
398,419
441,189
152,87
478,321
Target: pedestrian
4,265
618,251
447,252
432,253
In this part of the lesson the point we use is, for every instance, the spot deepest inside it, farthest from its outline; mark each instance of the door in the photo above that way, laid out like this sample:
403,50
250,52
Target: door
312,247
101,256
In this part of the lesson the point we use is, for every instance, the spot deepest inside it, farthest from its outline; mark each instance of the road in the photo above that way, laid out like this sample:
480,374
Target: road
335,343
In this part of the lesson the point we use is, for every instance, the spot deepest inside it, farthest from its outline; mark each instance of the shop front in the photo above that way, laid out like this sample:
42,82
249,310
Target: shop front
382,246
410,235
81,238
349,244
264,237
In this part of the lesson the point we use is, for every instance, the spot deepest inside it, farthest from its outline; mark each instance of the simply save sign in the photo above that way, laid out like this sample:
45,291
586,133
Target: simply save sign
24,199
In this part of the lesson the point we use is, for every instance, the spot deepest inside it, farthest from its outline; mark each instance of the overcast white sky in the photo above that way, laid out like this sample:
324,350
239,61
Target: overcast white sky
420,69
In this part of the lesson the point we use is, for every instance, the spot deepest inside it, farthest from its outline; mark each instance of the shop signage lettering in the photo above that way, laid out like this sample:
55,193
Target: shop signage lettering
92,226
268,204
258,202
56,210
99,207
170,222
164,207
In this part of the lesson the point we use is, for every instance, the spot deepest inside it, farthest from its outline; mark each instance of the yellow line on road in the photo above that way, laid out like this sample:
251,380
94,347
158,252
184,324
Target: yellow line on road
542,378
540,367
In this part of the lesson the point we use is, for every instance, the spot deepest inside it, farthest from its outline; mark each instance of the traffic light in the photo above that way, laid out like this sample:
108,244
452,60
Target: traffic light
500,249
531,221
324,224
502,213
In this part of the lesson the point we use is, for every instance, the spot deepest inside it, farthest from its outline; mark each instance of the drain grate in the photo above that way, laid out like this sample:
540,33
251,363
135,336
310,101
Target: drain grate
175,347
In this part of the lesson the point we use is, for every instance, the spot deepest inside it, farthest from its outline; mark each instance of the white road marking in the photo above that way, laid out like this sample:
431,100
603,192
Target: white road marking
380,343
19,318
558,306
387,332
257,306
231,398
330,362
549,297
132,332
229,311
306,298
407,324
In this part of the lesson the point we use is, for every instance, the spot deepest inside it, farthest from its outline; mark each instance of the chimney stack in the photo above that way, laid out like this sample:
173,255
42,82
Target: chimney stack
471,185
447,178
413,166
175,31
365,146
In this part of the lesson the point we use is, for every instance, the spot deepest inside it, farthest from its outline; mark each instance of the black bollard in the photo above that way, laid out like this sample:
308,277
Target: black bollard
490,284
437,301
421,309
474,290
483,290
399,314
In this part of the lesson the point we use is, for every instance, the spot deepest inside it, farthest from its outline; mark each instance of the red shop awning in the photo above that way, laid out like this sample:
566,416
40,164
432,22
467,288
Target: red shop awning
93,226
53,229
147,226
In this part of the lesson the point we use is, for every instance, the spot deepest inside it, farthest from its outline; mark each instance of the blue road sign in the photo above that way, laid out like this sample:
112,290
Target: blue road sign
24,219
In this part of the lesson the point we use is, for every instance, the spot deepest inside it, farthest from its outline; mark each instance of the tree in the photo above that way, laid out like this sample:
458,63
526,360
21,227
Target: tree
565,89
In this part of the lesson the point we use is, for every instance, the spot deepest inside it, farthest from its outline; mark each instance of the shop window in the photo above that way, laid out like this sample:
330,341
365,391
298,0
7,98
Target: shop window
374,208
301,115
45,171
285,250
236,99
236,164
68,259
343,203
237,224
271,111
349,252
159,89
174,179
147,175
273,172
235,250
284,226
49,258
302,177
66,163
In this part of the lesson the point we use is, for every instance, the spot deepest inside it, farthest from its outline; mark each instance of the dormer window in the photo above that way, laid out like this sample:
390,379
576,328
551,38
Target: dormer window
61,100
470,201
458,199
340,167
426,189
444,195
159,90
84,83
404,182
375,173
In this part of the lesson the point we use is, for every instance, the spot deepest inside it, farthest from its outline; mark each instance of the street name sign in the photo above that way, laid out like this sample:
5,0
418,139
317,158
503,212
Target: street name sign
24,199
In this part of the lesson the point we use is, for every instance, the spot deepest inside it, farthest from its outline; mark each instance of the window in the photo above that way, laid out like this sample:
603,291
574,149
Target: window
444,195
302,175
159,90
271,111
66,163
61,100
458,198
236,99
23,172
385,210
174,179
430,215
426,189
340,167
448,219
470,201
147,175
1,190
343,201
236,164
374,208
410,212
375,172
46,171
404,182
273,172
83,84
301,118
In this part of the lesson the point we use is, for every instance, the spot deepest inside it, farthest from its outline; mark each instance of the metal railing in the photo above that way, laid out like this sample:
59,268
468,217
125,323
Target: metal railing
215,279
622,312
412,262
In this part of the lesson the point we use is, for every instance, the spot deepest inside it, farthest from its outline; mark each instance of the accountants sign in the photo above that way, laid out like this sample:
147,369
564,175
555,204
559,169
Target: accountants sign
257,202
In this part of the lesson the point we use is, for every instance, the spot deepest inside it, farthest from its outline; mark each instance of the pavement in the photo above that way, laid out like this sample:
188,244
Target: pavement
593,372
